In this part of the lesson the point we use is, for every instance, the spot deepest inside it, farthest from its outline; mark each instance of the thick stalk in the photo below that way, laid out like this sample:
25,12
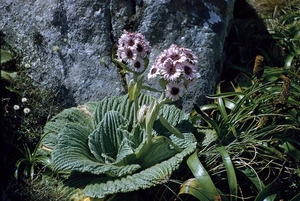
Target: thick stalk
135,97
151,116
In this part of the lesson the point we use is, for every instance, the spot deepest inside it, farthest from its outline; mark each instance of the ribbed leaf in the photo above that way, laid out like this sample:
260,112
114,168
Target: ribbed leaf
58,123
105,105
175,118
99,142
173,115
72,153
106,139
152,176
121,104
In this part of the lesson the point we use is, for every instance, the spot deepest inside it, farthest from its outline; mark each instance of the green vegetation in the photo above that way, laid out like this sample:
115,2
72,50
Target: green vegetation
243,145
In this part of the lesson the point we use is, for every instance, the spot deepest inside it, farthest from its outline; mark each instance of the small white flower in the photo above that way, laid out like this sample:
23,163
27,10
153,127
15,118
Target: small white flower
26,110
27,65
16,107
24,100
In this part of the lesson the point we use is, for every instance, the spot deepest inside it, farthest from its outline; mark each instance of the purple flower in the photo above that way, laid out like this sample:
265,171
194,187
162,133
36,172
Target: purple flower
138,64
175,64
170,71
189,70
126,54
132,48
174,90
153,72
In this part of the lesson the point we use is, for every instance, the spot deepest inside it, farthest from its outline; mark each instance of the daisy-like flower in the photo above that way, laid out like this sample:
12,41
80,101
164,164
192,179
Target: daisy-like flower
174,52
24,100
175,63
174,90
153,72
132,46
126,54
26,110
189,70
177,66
127,39
170,71
142,47
16,107
161,58
138,65
189,55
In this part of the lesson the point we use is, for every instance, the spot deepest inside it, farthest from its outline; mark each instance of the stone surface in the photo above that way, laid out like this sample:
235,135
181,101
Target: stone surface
67,43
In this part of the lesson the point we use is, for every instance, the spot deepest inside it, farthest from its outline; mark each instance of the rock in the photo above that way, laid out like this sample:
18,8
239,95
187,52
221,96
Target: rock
68,43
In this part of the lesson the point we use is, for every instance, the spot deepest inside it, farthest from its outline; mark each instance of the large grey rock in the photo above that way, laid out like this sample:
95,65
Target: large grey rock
67,43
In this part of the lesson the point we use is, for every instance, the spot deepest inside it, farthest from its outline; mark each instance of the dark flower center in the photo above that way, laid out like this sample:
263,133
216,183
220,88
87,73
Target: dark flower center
174,91
175,56
129,54
130,42
153,71
139,48
187,70
137,64
172,70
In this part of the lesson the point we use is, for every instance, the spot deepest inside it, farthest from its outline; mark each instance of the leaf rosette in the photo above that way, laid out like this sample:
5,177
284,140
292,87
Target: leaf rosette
106,153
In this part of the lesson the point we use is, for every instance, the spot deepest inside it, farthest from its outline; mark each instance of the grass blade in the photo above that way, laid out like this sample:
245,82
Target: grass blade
231,176
202,187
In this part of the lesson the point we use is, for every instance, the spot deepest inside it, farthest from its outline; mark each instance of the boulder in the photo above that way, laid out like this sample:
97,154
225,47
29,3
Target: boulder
67,44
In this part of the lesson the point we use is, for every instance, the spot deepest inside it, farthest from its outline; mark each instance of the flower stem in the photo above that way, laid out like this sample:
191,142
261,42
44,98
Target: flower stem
136,92
152,115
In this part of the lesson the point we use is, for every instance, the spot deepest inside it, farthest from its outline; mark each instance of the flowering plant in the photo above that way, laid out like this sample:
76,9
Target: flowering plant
131,142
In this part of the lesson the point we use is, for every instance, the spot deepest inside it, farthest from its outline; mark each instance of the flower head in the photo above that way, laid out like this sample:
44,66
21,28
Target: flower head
26,110
174,90
189,70
170,71
138,65
132,49
153,72
177,66
16,107
24,100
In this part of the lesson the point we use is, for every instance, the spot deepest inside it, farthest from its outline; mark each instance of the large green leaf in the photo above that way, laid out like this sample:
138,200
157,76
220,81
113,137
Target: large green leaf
121,104
106,139
102,148
73,153
149,177
59,122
